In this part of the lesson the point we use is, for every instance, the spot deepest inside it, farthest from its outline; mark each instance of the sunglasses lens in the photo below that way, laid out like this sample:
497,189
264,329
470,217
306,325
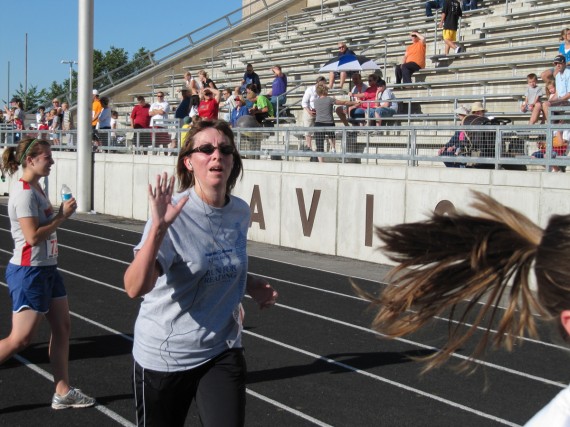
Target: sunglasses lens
209,149
226,149
206,149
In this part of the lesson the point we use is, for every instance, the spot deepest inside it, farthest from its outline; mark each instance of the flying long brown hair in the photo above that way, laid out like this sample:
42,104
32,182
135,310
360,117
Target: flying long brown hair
469,265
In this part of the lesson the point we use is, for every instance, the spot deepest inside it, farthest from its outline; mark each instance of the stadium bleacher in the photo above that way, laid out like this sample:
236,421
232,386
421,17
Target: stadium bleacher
504,41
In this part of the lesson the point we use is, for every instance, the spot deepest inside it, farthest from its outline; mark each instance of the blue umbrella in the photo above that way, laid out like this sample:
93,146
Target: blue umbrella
349,62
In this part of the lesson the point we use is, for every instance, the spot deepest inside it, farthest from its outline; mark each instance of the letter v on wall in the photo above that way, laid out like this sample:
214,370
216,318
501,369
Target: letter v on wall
308,221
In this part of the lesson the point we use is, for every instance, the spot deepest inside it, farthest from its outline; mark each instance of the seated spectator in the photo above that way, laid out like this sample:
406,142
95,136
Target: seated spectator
278,89
432,5
367,100
414,59
261,108
209,104
228,103
477,109
562,79
387,107
358,86
250,88
532,99
342,50
469,5
249,77
240,110
456,145
559,147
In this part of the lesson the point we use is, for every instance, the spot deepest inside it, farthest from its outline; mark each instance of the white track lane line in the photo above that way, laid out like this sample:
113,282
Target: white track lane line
354,297
493,331
384,380
109,413
368,330
124,422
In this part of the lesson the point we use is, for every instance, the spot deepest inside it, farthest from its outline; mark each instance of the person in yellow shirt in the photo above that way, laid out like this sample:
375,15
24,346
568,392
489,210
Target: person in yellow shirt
414,59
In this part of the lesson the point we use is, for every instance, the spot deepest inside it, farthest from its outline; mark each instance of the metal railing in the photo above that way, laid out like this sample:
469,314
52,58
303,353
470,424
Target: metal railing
191,40
484,146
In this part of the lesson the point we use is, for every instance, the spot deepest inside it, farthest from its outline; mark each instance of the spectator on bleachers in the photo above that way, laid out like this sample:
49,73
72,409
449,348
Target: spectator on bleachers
249,77
532,99
104,121
250,88
563,49
16,115
550,89
308,104
240,110
96,109
386,107
367,99
342,50
324,106
455,146
562,79
278,89
183,109
414,59
450,15
358,86
559,148
262,107
68,122
140,117
432,5
204,81
209,104
477,109
40,116
54,126
193,86
159,111
469,5
228,103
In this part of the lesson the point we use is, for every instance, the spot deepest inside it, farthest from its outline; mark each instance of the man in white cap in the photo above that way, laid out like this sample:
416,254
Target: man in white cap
96,109
562,79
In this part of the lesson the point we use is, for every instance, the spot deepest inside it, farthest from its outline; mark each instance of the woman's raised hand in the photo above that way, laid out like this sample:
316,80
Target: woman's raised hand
160,197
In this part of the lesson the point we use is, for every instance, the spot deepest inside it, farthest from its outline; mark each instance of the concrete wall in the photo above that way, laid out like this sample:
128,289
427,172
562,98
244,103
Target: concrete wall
324,208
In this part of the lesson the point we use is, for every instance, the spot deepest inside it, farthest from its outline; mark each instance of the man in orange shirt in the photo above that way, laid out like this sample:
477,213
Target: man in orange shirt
414,59
96,109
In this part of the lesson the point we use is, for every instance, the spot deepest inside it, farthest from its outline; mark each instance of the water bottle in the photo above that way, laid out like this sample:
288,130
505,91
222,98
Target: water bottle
65,193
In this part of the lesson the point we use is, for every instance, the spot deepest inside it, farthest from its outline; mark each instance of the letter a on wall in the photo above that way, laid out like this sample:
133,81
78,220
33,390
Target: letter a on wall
256,208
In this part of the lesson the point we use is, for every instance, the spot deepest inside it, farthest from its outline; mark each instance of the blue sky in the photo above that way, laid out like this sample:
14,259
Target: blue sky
52,32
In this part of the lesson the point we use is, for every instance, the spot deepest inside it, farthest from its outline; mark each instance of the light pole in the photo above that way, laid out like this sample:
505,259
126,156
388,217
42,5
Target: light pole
63,61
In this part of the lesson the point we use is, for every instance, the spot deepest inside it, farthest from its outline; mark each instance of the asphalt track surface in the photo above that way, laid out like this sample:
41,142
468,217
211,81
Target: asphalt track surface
312,359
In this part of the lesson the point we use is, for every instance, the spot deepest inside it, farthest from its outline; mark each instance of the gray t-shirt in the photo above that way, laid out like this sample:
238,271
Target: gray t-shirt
192,313
533,94
27,202
324,108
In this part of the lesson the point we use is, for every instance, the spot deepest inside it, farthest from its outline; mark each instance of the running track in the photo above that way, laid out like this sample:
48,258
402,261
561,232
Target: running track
312,359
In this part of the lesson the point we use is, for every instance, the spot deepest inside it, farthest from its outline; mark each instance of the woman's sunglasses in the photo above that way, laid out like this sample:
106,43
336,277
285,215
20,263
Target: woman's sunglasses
225,149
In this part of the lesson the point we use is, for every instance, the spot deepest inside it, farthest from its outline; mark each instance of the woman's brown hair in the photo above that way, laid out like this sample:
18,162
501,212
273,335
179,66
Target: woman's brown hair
13,157
470,265
186,177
